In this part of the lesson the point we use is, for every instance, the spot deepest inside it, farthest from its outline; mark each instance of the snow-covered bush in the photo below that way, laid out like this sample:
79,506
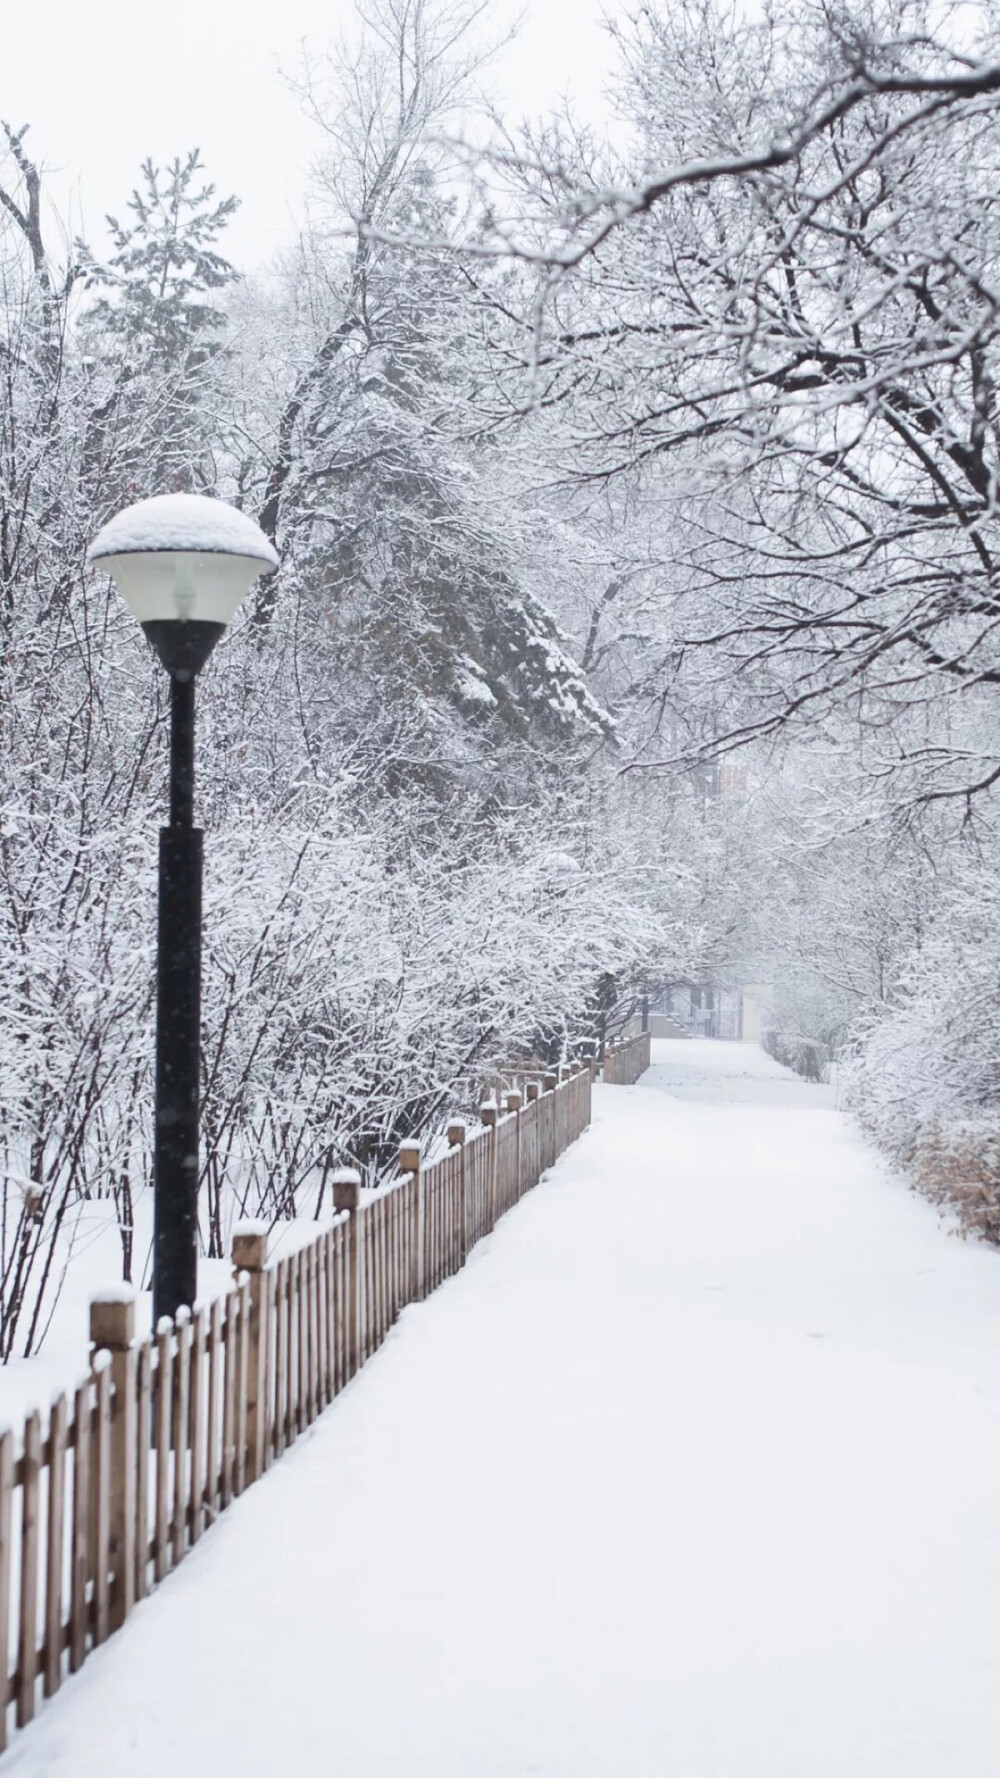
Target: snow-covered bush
924,1077
803,1054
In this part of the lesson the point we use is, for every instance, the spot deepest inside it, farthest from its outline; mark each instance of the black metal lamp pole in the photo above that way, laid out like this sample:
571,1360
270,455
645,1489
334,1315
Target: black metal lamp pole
183,648
183,563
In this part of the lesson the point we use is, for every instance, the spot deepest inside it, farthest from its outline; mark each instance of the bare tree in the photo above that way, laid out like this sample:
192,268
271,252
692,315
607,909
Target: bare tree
789,353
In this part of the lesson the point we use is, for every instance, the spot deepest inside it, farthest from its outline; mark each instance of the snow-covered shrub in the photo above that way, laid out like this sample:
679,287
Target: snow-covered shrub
805,1055
924,1077
957,1162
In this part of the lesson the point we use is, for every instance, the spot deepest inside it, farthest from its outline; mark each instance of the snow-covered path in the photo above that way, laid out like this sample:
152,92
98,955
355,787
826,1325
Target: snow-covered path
693,1473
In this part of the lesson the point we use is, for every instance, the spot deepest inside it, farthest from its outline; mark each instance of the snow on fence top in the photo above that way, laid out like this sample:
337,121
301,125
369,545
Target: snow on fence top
182,522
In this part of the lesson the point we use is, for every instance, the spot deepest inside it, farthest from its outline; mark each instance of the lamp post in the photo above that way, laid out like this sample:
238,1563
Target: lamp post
183,563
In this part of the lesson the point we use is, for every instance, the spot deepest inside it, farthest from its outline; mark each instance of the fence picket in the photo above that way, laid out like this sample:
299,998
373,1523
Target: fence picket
7,1475
143,1439
368,1288
80,1561
280,1356
54,1548
180,1430
6,1571
242,1383
197,1423
213,1454
164,1380
101,1494
312,1308
232,1311
270,1362
383,1267
27,1663
294,1346
322,1326
338,1309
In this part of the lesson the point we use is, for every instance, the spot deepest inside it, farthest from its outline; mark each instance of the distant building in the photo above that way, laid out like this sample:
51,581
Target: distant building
692,1009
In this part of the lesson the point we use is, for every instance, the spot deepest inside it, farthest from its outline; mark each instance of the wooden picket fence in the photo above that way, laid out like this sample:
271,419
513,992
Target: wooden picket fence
626,1060
134,1466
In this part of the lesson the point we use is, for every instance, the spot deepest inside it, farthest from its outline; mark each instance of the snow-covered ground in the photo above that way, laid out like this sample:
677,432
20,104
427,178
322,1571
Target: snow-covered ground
695,1470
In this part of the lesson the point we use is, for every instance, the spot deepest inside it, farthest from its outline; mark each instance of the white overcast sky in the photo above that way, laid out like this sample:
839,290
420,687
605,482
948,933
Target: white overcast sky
103,83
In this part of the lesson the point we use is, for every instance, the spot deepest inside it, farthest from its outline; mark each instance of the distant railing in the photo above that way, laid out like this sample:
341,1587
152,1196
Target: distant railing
99,1504
723,1018
626,1060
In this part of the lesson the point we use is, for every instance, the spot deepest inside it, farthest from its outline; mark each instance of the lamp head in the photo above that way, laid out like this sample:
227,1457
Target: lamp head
182,563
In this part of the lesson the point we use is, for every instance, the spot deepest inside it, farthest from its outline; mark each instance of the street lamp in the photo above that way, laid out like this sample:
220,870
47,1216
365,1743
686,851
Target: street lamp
182,563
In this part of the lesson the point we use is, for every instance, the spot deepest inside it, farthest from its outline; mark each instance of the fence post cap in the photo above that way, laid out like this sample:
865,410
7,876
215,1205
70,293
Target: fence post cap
409,1157
488,1113
346,1184
457,1132
249,1247
549,1083
514,1101
112,1318
532,1090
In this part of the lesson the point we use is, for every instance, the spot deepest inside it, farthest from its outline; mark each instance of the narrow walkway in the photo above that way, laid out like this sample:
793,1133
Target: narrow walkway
693,1473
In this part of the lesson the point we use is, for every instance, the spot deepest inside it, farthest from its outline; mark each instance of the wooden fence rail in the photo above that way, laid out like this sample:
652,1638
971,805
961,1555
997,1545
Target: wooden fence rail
626,1060
132,1468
